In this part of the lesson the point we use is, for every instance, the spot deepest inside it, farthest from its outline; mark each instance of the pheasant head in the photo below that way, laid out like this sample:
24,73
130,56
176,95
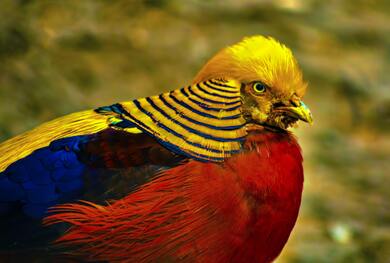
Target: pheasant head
271,81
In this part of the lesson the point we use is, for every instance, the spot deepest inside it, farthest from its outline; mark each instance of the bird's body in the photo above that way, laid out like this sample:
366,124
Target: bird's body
206,173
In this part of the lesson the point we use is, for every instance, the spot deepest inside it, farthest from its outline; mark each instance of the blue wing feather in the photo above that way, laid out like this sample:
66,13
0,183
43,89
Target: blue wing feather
44,177
96,167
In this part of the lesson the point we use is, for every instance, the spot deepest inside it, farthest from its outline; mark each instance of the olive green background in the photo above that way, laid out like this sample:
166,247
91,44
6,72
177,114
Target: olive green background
57,57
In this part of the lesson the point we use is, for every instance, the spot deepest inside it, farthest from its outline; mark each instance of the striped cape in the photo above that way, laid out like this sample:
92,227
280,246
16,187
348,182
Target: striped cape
203,121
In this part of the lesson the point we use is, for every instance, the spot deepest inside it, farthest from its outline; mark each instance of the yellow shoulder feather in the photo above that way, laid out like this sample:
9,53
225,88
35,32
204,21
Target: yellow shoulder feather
79,123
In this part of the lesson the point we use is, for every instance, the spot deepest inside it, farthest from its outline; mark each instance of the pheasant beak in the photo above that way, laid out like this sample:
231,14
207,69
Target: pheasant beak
299,110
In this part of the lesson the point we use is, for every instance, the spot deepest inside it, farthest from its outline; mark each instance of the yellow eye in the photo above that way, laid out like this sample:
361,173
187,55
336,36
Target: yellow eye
259,87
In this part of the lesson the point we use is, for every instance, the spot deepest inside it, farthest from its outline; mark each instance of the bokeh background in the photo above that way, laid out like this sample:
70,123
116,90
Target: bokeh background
58,57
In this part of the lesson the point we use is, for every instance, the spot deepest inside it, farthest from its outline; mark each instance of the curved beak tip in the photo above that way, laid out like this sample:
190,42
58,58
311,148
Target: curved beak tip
304,113
310,120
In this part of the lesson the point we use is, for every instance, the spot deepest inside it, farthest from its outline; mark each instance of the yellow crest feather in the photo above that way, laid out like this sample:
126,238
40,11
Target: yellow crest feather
257,58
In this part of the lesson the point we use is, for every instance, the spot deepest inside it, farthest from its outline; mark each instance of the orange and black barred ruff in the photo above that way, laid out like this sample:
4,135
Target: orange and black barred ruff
203,121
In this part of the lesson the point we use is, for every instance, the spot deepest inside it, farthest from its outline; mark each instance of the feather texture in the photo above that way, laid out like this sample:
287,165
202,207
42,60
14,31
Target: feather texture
241,211
80,123
202,121
97,167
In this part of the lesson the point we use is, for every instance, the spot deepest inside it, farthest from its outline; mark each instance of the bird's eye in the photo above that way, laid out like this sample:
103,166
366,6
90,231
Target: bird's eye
259,87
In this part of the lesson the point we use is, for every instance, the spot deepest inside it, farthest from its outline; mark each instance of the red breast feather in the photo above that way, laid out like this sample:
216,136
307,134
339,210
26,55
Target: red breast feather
240,211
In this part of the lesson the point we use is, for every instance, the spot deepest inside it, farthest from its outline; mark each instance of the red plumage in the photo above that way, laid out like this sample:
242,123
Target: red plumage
242,210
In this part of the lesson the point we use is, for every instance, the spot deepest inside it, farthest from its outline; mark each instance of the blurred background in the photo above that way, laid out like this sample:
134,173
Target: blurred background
57,57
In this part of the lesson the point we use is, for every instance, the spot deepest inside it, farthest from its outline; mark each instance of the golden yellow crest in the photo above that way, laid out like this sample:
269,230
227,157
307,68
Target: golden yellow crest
256,58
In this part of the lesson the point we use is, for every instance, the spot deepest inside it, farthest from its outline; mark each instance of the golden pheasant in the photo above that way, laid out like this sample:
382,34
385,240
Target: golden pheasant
204,173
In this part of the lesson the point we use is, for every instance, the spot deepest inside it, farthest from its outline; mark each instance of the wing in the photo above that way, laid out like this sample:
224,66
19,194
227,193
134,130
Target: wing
106,153
97,167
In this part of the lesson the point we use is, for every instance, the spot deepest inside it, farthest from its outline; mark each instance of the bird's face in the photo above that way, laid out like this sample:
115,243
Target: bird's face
271,81
271,108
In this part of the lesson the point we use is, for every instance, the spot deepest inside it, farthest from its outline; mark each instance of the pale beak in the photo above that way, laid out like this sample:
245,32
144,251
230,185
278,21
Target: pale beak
298,111
301,112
